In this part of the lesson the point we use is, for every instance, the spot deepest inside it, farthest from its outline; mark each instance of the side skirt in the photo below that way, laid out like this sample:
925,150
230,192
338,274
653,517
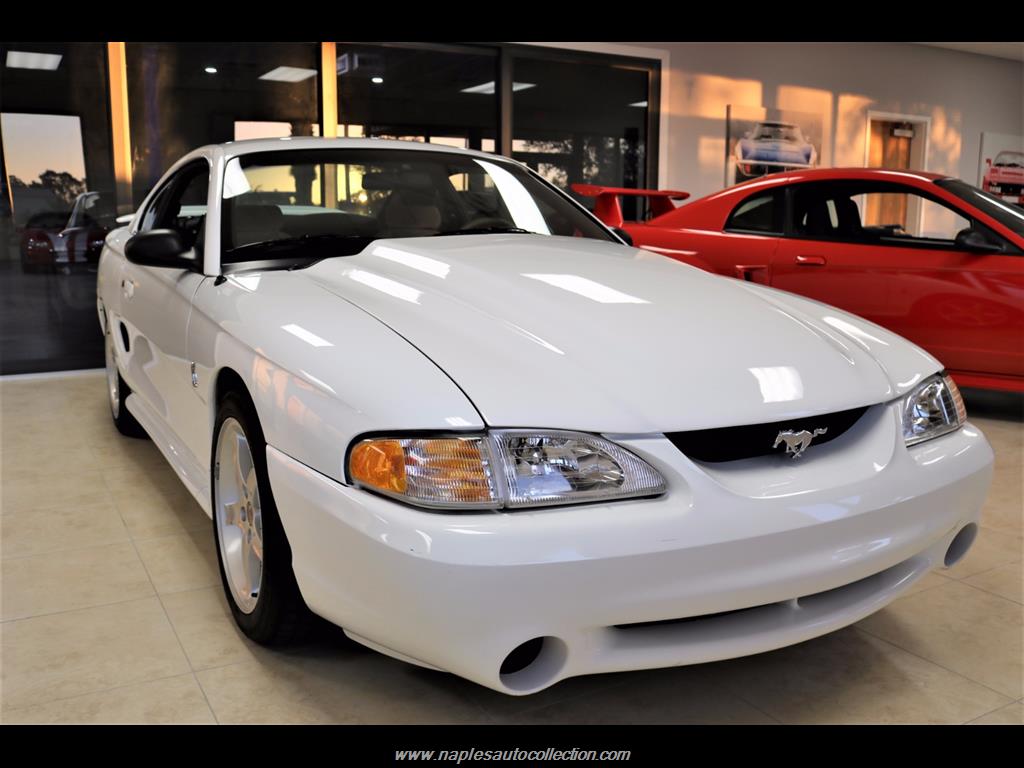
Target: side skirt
195,477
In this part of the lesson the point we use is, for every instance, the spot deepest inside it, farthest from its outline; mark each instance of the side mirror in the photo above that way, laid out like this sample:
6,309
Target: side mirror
124,221
975,241
623,234
988,161
159,248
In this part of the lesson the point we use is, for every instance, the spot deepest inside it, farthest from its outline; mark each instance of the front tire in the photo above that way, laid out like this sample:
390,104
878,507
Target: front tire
252,549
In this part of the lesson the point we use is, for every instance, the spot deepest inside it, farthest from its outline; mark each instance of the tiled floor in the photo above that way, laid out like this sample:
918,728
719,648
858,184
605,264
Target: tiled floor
112,611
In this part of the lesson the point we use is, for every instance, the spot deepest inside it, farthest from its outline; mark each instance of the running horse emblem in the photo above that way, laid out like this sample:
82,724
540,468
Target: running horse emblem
797,442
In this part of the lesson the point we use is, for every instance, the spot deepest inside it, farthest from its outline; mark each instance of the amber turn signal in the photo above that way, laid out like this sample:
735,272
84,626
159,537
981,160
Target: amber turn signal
430,471
379,464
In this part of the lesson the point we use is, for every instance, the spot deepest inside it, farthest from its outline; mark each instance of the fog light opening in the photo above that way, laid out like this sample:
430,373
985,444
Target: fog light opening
533,664
960,544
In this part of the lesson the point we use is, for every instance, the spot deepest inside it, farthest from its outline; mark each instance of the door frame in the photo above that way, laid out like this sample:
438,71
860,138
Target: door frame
918,121
896,117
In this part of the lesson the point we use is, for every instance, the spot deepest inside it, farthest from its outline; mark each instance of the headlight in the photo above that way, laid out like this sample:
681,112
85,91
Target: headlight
933,409
509,469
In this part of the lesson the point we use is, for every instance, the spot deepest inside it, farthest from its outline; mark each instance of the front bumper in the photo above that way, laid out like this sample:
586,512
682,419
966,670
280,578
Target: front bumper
806,546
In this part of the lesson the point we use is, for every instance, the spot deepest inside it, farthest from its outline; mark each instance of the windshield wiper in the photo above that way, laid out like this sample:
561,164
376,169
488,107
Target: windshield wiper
291,242
487,231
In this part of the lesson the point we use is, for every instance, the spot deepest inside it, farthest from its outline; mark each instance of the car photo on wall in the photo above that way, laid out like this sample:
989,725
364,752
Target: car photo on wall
1004,177
770,147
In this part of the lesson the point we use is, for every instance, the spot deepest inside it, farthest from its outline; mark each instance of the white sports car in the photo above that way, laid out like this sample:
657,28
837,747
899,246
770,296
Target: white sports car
425,395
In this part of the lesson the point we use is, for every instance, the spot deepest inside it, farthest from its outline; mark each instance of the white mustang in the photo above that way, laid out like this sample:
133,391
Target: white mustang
424,394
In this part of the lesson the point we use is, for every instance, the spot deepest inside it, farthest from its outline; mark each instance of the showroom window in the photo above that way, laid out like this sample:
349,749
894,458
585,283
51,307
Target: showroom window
88,129
229,91
584,119
57,203
443,94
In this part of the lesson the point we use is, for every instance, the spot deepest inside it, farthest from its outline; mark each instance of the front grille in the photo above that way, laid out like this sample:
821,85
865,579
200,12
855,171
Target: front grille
752,440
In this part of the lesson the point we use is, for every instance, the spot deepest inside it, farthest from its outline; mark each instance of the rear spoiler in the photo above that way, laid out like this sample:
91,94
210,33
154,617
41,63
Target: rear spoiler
609,210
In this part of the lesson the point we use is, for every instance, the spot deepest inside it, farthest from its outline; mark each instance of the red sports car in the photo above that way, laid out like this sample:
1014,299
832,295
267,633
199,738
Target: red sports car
930,257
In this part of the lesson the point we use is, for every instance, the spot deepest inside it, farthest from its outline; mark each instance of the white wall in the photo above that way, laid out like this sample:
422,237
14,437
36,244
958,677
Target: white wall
964,94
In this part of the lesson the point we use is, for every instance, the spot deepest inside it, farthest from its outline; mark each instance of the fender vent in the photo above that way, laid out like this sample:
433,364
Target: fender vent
124,338
752,440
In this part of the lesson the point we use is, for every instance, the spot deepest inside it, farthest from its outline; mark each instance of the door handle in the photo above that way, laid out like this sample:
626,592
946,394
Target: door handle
128,288
811,261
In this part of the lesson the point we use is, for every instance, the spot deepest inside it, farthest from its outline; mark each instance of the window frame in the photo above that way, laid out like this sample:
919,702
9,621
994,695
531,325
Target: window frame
171,186
779,215
885,187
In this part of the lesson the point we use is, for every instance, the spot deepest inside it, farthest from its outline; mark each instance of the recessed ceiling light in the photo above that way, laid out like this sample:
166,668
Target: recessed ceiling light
377,80
489,87
32,60
638,104
289,74
211,70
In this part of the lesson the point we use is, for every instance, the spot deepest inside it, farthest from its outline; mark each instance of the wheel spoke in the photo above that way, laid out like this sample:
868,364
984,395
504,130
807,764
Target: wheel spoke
232,514
247,576
257,538
238,448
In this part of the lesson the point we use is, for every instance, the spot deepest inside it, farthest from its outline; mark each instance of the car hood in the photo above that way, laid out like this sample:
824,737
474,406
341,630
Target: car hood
579,334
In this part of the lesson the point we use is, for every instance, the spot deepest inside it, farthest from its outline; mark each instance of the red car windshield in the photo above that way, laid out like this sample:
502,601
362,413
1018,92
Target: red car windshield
778,133
1010,160
1007,214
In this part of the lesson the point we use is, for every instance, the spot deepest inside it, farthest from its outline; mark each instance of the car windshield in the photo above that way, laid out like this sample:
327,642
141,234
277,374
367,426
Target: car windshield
1007,214
334,202
1010,159
769,132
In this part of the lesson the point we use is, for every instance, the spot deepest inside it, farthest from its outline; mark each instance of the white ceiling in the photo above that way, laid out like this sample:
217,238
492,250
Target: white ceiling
1013,51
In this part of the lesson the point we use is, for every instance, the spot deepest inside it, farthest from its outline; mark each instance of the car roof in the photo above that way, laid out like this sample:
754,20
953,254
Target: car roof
841,174
250,146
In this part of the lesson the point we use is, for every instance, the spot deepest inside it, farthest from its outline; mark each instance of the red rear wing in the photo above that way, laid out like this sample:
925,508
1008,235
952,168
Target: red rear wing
609,210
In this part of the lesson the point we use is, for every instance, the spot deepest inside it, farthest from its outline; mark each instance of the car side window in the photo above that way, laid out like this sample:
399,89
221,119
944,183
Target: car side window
760,213
181,204
874,213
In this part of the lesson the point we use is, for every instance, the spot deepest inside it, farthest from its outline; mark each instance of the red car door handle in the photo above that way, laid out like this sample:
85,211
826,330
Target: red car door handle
811,261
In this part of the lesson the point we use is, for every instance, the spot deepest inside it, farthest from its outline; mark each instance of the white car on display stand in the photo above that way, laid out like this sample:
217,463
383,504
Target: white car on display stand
427,396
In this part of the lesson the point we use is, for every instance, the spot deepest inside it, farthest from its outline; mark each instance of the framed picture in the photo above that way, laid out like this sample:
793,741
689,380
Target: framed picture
759,141
1001,167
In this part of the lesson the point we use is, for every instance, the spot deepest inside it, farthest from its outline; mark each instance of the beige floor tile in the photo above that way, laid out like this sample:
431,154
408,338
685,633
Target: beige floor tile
335,685
1004,510
206,629
35,532
155,504
973,633
58,486
1007,581
1011,714
991,549
928,581
852,677
180,562
114,451
682,695
171,701
67,654
77,578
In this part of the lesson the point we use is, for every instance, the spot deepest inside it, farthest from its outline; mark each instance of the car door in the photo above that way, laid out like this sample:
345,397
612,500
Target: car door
156,301
888,252
743,248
